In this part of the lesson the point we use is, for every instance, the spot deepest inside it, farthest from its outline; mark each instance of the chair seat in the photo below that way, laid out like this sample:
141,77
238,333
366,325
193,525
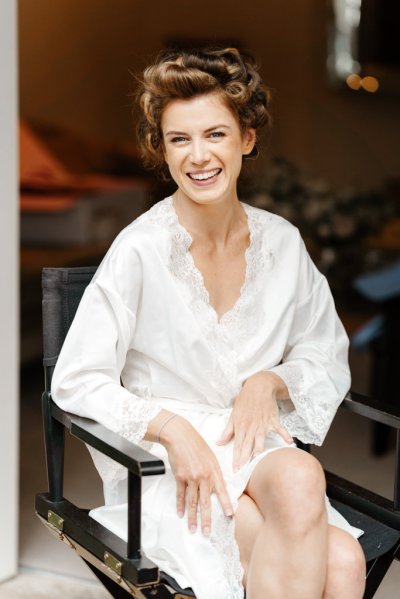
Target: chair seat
378,538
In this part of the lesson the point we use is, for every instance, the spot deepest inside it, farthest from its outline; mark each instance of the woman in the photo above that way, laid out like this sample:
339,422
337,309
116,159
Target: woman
228,345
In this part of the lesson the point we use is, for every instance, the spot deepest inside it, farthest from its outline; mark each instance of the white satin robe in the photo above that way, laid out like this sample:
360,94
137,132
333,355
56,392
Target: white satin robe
146,320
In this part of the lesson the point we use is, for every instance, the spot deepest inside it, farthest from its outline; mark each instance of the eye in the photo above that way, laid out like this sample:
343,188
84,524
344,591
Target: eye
217,134
178,139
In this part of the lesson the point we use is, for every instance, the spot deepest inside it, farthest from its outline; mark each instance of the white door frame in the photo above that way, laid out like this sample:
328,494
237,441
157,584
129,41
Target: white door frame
9,396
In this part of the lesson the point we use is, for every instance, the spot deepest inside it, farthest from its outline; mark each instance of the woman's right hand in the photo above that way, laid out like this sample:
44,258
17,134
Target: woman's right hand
197,473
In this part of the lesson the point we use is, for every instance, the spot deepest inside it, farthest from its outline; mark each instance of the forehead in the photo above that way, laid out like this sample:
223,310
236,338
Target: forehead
200,113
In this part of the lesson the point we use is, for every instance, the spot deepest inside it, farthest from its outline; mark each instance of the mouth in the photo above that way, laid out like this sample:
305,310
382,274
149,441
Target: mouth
204,177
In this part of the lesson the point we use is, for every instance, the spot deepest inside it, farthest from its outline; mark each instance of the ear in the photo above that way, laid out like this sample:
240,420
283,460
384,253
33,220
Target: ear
249,140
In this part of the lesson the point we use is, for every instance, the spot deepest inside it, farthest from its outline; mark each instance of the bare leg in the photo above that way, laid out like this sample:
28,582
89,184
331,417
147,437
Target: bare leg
248,521
344,567
290,552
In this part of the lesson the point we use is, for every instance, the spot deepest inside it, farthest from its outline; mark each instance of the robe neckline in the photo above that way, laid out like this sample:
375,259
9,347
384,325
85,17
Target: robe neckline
200,286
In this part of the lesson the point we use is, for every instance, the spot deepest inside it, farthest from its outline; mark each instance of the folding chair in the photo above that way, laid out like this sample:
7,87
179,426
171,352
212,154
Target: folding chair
122,567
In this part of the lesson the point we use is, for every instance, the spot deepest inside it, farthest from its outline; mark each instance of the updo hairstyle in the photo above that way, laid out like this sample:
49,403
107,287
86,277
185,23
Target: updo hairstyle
186,74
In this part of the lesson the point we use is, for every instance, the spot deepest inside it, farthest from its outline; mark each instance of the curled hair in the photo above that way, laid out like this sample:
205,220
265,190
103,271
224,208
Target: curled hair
186,74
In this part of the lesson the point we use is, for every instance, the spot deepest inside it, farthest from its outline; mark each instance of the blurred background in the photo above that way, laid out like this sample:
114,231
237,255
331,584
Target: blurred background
331,165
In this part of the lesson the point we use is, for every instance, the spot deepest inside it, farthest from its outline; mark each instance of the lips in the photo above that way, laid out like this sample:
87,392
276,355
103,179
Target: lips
204,175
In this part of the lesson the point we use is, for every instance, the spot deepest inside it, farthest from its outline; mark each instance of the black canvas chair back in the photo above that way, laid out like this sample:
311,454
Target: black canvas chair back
62,290
121,567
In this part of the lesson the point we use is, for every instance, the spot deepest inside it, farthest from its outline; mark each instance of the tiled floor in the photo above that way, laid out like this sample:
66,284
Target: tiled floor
50,570
45,585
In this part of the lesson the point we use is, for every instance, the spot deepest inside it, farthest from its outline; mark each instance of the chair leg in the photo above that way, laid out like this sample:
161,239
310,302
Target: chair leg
381,439
112,587
376,571
116,591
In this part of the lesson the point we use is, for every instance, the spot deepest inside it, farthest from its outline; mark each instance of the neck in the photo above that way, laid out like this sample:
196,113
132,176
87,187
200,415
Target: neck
213,223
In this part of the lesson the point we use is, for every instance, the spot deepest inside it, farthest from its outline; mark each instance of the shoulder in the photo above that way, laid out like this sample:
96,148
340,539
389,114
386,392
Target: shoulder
140,247
282,240
276,230
149,233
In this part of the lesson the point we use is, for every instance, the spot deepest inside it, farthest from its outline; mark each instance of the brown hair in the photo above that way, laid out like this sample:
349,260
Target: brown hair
185,74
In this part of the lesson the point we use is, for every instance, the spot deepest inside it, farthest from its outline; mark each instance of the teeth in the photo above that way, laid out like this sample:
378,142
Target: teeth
203,176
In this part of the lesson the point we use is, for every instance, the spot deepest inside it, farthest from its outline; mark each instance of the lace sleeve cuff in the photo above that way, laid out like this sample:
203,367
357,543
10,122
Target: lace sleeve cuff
301,415
136,415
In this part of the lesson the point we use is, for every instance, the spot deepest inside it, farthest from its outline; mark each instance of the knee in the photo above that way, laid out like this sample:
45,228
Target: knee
346,564
299,495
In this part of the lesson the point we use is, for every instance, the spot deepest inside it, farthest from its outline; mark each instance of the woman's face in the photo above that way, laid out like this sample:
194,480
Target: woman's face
203,147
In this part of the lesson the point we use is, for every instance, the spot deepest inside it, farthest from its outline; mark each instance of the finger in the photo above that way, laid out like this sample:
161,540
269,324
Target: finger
259,444
223,497
192,495
247,449
237,450
205,507
283,433
180,498
227,433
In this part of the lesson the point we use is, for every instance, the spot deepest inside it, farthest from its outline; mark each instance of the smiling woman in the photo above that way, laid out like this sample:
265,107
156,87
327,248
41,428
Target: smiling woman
205,158
177,75
225,337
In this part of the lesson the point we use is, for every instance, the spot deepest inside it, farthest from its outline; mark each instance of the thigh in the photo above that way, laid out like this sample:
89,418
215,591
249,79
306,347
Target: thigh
248,521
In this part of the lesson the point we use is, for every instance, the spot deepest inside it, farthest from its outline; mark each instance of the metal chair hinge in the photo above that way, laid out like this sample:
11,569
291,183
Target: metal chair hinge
55,521
113,563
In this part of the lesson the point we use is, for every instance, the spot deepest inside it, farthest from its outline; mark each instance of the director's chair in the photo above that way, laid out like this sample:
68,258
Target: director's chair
121,566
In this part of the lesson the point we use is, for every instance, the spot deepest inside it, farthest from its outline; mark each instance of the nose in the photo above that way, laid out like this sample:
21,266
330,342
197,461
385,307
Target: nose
199,152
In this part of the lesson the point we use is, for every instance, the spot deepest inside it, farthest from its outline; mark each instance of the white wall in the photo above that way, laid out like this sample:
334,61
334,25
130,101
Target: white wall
9,292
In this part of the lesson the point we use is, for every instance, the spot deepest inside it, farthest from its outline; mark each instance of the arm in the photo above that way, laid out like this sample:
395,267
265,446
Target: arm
299,396
86,380
314,365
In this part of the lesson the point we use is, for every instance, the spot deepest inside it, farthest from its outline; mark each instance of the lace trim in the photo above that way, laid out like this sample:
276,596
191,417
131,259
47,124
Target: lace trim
228,334
258,258
297,421
136,415
223,540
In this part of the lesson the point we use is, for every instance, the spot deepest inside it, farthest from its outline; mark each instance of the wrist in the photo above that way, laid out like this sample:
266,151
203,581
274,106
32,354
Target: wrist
268,383
170,431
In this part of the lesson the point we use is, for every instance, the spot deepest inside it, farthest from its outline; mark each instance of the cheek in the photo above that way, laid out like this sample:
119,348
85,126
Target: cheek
174,166
235,162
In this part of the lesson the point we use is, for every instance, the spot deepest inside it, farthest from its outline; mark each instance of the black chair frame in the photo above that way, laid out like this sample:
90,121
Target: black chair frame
122,567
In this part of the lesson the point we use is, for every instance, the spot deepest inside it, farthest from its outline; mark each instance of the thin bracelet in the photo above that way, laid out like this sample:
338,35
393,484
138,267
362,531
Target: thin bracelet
162,426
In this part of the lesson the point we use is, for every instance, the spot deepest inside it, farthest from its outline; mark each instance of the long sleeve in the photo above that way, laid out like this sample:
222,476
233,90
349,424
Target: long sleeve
314,366
86,379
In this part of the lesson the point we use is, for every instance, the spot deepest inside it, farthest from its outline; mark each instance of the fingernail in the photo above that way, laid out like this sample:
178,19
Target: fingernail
206,531
180,514
192,528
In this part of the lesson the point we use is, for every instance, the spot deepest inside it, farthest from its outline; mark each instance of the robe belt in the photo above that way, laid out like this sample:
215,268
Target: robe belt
177,405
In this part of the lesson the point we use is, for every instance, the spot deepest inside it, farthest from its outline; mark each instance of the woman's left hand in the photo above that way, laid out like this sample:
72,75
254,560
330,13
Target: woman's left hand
255,413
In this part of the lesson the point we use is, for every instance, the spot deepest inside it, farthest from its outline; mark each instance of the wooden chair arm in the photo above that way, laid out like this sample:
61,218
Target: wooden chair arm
378,411
137,460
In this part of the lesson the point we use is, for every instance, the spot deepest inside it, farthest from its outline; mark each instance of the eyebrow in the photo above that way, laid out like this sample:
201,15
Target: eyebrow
206,131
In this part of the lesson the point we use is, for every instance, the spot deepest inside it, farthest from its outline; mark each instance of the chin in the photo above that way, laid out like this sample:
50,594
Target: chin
207,196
